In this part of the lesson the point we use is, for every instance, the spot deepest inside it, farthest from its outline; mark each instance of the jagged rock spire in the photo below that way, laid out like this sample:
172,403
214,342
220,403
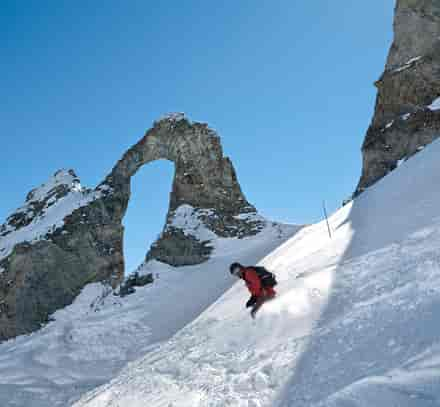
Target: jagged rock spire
405,117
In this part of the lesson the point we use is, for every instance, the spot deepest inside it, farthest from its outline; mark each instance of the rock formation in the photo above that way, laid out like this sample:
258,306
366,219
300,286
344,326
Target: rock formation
407,112
66,236
204,180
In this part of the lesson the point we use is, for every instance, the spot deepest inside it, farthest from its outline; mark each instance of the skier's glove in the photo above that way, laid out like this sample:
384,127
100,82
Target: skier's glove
251,301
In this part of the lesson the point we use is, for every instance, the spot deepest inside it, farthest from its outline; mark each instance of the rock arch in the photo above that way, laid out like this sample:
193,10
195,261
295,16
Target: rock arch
203,179
41,276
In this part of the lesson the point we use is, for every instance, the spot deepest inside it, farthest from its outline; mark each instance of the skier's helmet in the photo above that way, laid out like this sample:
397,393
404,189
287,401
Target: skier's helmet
235,268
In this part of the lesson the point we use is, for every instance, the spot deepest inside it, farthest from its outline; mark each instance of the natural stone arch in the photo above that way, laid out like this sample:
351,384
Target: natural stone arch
203,179
40,277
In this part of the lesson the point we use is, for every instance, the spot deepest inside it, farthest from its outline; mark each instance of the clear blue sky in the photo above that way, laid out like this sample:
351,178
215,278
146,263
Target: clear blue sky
287,84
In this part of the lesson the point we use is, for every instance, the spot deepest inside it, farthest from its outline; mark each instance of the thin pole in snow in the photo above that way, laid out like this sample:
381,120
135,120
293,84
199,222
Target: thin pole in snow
326,218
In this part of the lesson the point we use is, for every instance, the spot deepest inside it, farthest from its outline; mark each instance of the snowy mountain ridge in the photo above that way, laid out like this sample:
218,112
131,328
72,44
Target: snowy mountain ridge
45,209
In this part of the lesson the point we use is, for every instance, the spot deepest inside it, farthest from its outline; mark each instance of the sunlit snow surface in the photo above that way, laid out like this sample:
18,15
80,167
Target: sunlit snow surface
355,323
91,340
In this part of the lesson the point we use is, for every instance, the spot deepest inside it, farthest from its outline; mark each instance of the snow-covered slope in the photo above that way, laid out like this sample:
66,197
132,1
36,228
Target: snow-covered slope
355,322
90,341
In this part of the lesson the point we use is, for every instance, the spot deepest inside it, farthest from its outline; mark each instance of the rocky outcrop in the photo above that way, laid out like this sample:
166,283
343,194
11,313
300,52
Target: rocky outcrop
204,182
60,240
134,280
407,113
66,236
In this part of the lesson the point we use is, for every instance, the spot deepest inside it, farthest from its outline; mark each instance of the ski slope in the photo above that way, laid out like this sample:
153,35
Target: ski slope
355,323
90,341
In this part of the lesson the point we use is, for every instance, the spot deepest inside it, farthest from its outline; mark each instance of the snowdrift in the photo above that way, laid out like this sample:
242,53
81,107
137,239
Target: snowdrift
355,322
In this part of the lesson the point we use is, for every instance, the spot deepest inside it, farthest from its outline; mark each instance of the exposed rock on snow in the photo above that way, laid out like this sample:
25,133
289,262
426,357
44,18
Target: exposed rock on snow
66,236
49,249
40,199
132,281
406,91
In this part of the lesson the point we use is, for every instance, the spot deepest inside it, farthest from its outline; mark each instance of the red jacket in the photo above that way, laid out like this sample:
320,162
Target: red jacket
252,281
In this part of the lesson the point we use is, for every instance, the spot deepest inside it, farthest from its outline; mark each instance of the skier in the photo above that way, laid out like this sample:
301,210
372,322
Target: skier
260,283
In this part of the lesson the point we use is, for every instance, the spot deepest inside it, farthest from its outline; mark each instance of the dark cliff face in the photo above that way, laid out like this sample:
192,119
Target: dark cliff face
66,236
405,118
